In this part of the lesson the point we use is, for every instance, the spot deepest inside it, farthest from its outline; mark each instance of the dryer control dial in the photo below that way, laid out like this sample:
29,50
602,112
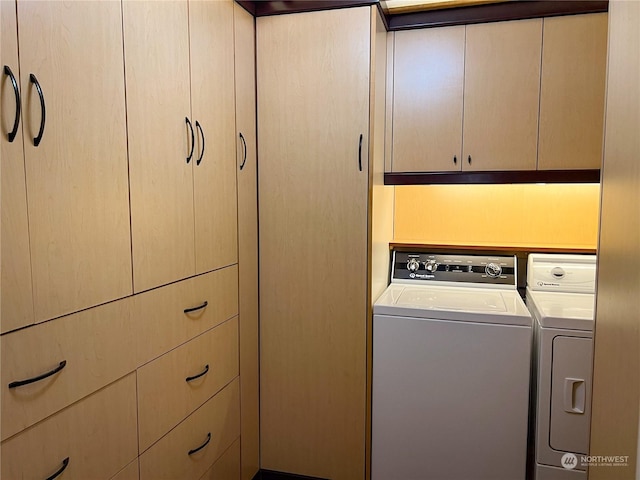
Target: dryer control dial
413,265
493,270
431,265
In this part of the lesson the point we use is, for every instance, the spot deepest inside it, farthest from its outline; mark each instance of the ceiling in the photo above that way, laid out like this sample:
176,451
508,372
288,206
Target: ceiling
393,7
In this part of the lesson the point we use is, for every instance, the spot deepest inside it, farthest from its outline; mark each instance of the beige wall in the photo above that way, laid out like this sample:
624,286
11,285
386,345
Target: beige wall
561,216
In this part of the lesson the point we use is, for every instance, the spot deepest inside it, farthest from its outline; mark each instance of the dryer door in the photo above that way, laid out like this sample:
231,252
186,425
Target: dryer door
571,394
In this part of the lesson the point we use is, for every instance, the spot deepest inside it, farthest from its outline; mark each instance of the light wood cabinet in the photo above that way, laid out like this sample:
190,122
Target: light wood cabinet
247,178
313,72
226,467
166,397
96,345
180,106
74,166
190,449
574,60
17,297
428,83
501,94
97,437
130,472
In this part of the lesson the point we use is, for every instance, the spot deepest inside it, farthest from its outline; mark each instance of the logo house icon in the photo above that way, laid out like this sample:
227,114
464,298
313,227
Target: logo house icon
569,461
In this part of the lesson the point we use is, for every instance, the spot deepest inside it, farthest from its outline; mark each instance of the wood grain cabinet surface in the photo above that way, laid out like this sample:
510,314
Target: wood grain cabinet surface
97,346
74,162
501,94
428,84
16,301
227,467
174,385
574,67
181,115
97,435
189,450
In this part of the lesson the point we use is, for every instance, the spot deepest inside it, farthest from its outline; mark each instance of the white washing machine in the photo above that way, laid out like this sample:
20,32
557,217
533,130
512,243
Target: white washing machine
560,295
451,369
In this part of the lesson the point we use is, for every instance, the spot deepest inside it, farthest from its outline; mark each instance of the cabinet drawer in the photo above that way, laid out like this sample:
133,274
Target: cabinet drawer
96,344
227,467
97,435
218,420
161,318
130,472
165,397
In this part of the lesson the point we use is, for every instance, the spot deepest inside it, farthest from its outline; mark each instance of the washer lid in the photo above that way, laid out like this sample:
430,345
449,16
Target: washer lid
573,311
454,303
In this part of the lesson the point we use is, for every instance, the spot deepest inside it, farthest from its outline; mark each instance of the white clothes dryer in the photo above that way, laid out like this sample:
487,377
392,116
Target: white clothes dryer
560,295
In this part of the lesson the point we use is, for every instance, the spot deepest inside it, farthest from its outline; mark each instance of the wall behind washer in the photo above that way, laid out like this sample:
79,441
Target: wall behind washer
553,215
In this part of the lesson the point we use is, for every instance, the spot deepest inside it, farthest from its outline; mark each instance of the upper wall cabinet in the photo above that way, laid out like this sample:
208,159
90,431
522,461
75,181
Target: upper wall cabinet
574,60
181,117
428,84
501,91
70,79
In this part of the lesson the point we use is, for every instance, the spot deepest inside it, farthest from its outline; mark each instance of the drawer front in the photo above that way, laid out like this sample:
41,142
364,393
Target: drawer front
227,467
217,421
161,318
165,397
97,345
97,435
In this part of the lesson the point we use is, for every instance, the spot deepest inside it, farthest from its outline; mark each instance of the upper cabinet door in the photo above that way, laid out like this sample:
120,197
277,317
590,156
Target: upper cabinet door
17,298
213,106
501,95
428,80
72,69
574,61
161,150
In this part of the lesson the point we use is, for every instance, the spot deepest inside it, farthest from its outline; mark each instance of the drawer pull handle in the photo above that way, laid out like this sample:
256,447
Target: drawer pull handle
244,155
193,138
20,383
43,109
199,127
360,153
65,463
191,452
204,372
11,136
199,307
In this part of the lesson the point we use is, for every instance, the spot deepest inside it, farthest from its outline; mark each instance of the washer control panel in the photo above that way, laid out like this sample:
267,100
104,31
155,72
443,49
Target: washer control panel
439,267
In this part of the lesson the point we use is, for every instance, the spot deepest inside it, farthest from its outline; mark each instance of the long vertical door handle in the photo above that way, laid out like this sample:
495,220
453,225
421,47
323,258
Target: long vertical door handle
16,121
244,156
193,139
199,127
43,118
360,153
574,395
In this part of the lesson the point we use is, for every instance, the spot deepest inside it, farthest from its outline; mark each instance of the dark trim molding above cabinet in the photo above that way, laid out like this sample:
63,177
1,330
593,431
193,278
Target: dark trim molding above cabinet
494,12
271,475
516,176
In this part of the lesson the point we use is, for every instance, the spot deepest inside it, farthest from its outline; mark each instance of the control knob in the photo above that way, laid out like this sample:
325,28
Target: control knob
413,265
431,265
493,270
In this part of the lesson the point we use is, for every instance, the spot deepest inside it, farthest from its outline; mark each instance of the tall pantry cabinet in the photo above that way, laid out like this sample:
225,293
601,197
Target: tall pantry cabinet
316,79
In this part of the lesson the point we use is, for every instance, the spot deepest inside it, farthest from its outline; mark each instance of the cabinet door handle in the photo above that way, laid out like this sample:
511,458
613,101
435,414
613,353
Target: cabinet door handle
244,149
455,160
469,159
193,139
20,383
201,374
65,463
191,452
12,134
43,118
199,307
199,127
360,154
